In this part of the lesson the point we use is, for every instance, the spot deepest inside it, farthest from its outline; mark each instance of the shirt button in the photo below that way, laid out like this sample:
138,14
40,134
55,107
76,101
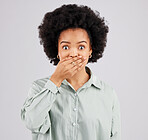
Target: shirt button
75,94
75,109
73,123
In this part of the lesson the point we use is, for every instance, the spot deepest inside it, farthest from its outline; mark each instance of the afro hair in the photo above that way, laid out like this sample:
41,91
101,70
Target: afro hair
73,16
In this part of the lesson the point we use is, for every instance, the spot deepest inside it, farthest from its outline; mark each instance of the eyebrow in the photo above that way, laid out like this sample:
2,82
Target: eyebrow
70,43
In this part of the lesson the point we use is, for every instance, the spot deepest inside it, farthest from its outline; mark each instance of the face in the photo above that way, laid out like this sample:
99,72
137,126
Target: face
74,42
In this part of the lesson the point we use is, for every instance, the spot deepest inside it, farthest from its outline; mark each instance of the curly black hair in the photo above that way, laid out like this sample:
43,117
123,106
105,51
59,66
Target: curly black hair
73,16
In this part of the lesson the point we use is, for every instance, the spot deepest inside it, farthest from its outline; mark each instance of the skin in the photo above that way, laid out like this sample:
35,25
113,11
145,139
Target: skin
68,46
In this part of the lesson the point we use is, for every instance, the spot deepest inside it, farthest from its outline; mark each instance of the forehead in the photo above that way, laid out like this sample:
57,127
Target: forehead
74,34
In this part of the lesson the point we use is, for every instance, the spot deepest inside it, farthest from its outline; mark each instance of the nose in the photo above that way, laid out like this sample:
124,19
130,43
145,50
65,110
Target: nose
73,56
73,53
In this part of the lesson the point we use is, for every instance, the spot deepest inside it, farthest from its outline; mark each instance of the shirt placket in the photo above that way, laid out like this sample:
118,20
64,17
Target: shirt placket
75,113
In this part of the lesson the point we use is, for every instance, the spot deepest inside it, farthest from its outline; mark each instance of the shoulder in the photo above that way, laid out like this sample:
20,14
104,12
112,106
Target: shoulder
40,82
103,85
106,88
110,91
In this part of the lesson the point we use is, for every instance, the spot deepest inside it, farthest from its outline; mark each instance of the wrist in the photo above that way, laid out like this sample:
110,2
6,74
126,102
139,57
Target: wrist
57,81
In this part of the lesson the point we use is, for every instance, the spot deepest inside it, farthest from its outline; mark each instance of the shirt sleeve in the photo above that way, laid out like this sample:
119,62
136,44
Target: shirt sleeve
116,119
38,103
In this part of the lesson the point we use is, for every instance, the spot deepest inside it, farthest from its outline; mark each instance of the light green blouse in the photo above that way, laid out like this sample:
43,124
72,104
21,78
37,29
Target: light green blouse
61,113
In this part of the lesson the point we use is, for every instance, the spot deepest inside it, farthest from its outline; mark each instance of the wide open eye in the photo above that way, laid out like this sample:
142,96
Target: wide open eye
65,47
81,47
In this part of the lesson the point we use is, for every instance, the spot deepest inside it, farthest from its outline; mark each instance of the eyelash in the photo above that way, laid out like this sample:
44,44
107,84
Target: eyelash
66,45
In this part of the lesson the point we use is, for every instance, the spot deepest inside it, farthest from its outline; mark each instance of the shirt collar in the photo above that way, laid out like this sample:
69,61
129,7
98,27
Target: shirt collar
92,81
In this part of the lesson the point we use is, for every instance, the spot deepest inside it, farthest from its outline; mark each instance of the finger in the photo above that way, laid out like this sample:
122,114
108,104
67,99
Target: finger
80,61
77,68
81,65
77,60
65,59
69,60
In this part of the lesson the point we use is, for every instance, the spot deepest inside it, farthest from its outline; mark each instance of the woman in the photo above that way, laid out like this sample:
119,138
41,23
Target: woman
72,103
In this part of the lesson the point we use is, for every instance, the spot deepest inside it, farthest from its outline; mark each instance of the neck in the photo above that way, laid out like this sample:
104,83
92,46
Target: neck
79,78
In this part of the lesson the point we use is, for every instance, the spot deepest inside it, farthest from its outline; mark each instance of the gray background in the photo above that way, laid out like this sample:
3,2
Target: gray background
123,65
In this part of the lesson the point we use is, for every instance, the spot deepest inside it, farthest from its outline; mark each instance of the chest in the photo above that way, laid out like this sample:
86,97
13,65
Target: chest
87,107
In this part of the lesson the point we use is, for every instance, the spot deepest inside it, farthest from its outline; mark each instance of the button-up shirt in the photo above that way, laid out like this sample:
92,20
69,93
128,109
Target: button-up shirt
61,113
